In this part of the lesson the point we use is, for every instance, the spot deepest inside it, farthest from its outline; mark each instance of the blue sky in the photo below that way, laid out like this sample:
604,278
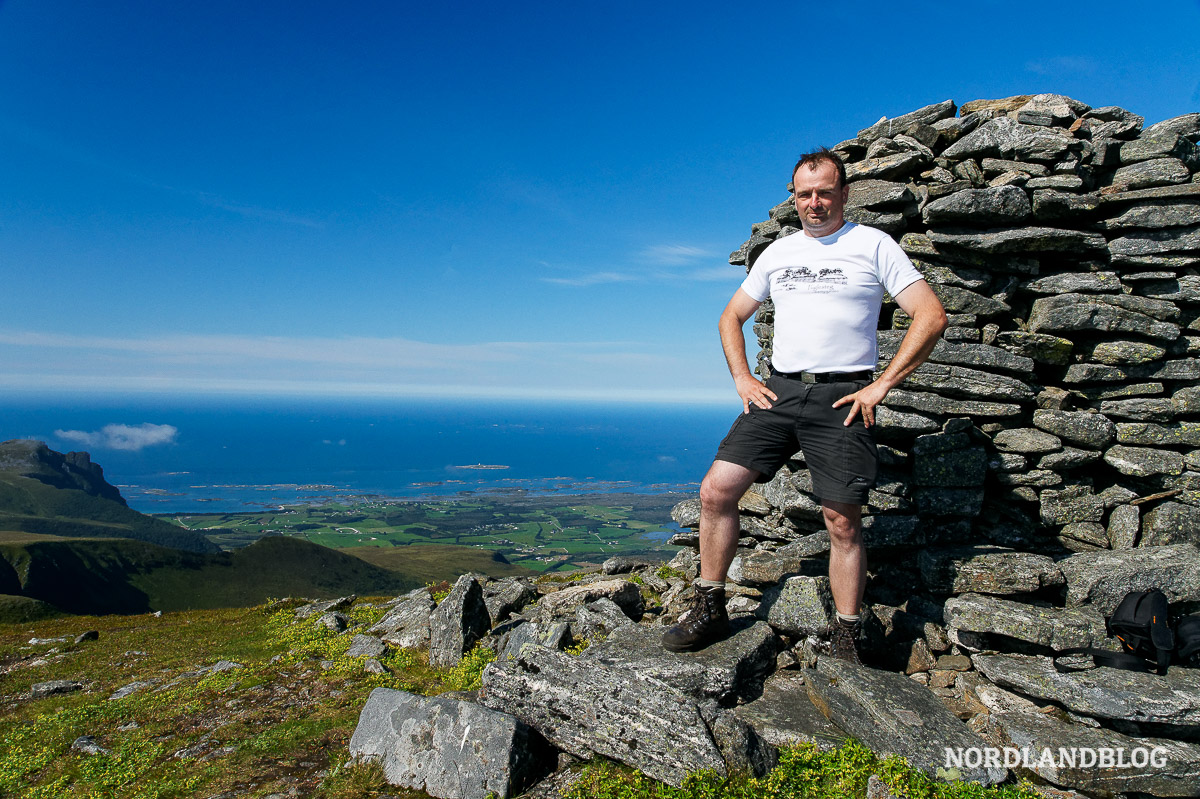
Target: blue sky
524,200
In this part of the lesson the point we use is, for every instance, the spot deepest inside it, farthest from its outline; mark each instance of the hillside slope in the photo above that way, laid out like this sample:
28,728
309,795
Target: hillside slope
103,575
47,492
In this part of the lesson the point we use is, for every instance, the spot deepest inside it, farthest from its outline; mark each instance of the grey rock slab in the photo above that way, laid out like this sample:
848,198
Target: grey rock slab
1182,289
1184,124
1057,628
986,569
1040,347
890,421
407,624
1145,409
1004,205
956,299
996,166
1112,196
1007,138
886,167
767,567
1155,242
1177,772
1061,182
1159,144
51,687
687,513
507,596
1068,458
949,406
1068,282
448,748
887,128
1176,434
1143,461
893,715
970,383
598,619
1171,523
1026,440
1103,578
1091,313
1124,525
982,356
1106,693
800,605
587,709
1118,353
366,646
1147,174
872,193
1051,206
1072,504
784,715
783,492
1021,240
1154,215
625,593
723,672
458,622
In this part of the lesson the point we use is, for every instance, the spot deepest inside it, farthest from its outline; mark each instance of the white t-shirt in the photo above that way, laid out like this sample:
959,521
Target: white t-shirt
827,293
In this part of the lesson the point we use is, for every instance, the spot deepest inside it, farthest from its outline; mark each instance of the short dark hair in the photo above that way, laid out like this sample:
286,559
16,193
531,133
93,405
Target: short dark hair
816,157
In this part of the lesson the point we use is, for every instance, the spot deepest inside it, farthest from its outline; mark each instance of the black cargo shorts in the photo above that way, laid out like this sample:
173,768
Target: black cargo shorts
842,459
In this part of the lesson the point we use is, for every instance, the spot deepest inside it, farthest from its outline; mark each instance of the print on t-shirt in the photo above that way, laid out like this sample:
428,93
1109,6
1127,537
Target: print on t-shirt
803,279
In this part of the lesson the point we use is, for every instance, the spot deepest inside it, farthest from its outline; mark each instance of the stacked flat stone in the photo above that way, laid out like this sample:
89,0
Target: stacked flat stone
1061,410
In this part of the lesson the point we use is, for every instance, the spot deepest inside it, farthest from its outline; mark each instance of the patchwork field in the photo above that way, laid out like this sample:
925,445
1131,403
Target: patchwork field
537,533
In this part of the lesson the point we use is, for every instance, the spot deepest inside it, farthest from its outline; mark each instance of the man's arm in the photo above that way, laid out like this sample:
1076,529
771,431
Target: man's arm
740,308
928,322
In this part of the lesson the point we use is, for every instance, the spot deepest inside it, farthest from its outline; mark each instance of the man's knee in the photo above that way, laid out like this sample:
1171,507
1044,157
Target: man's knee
723,486
844,523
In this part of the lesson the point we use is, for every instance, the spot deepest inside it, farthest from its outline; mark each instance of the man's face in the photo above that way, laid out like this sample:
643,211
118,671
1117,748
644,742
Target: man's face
820,201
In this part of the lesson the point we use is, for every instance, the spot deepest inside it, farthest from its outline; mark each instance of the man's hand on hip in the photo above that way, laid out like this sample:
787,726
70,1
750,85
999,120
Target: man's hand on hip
865,400
751,390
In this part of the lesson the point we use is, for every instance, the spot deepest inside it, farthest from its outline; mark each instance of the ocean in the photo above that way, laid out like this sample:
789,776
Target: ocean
224,455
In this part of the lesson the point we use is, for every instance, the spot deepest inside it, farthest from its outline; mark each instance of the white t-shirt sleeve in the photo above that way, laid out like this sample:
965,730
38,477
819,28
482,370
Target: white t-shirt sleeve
757,284
896,271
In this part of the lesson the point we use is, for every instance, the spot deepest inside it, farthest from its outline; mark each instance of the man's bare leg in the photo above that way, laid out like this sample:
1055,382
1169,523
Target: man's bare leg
706,621
847,555
847,573
723,486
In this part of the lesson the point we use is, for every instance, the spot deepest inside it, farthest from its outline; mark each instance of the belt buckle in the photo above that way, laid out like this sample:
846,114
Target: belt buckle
808,377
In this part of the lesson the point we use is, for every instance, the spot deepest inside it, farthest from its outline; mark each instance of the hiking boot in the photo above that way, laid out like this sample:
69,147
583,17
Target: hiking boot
844,641
700,625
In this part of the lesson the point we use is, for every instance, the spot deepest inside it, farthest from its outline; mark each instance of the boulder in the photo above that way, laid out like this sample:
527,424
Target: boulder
986,569
1106,693
1080,312
767,567
784,715
588,709
507,596
1069,755
1004,205
1103,578
799,606
406,625
893,715
1171,523
724,672
1056,628
448,748
625,593
457,623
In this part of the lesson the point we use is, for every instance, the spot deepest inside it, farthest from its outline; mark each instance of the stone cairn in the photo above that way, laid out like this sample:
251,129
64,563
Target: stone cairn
1044,462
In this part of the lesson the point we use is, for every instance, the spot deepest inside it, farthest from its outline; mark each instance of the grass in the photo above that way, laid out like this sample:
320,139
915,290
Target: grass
281,721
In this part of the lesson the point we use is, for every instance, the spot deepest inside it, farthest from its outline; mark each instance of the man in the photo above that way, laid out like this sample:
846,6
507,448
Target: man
827,285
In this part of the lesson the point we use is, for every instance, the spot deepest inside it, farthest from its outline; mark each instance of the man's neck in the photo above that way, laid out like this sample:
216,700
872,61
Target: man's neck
822,233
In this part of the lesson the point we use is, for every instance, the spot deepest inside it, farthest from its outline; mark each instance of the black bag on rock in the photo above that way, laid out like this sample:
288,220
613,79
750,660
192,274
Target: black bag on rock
1140,623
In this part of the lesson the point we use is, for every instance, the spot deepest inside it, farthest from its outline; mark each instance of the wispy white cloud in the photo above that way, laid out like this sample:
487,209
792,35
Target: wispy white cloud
1064,64
593,279
36,361
675,254
122,436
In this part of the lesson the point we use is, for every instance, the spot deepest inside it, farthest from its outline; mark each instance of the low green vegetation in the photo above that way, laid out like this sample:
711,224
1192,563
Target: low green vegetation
803,772
278,715
532,534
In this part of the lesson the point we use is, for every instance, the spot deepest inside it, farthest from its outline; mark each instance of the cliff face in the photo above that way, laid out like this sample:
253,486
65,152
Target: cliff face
1061,410
73,470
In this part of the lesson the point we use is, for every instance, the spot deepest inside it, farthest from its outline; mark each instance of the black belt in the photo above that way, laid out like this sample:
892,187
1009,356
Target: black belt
826,377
